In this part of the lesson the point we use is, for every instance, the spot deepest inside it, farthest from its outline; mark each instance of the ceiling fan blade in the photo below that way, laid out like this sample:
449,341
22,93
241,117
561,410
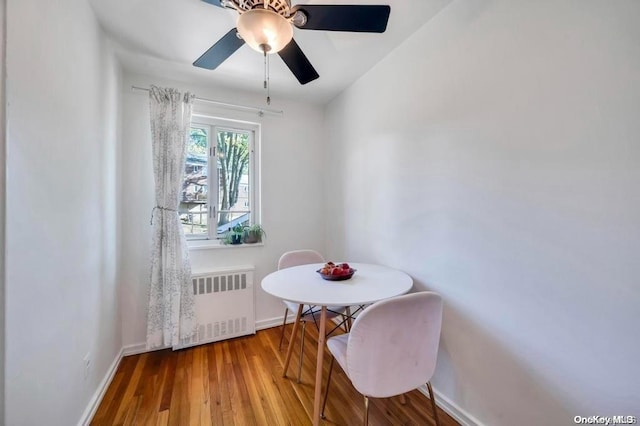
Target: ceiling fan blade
298,63
214,2
220,51
345,17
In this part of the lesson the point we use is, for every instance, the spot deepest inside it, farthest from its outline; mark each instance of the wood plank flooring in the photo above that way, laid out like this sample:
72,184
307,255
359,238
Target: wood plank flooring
239,382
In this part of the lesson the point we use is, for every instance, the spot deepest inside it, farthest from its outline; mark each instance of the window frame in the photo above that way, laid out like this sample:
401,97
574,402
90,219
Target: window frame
212,125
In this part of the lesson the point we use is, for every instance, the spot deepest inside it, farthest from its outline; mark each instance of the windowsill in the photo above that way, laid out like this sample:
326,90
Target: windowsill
217,244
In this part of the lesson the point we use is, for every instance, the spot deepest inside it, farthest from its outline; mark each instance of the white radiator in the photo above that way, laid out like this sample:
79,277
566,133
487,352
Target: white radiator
224,301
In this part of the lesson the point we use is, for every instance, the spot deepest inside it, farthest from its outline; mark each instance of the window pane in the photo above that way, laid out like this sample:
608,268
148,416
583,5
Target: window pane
234,203
193,203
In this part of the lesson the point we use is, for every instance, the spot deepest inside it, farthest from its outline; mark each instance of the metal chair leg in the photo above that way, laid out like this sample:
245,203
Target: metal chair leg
366,411
284,323
326,391
348,322
304,323
432,397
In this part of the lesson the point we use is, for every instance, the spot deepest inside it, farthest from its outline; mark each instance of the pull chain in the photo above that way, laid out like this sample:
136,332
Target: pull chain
266,76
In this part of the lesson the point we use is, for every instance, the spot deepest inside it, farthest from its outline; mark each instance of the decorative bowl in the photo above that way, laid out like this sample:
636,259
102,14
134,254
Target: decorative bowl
330,277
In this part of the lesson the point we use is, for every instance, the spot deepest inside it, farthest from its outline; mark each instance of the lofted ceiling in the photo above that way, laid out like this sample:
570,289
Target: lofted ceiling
163,37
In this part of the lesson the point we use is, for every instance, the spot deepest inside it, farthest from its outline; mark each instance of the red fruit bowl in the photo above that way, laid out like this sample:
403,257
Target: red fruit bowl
342,277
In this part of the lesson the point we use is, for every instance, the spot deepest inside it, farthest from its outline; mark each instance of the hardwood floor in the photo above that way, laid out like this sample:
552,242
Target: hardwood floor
239,382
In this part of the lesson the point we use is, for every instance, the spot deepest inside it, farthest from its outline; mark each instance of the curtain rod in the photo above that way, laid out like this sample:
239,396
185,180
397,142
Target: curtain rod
260,111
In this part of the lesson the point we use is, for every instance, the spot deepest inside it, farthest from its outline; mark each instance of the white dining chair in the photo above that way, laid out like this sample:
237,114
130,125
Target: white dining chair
391,349
309,313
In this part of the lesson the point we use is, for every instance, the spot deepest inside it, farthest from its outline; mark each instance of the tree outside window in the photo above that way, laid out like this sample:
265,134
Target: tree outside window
219,182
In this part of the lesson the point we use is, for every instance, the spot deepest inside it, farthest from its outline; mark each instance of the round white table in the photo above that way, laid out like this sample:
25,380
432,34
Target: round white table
303,285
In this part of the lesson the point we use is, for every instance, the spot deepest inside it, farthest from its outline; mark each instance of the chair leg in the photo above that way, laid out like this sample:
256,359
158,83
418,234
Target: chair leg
432,396
348,323
304,323
326,391
366,411
284,323
403,399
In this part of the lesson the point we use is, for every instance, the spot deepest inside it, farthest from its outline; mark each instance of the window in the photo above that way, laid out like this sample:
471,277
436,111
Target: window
219,188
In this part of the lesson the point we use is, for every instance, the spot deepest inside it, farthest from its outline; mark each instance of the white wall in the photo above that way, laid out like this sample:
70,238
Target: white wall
63,109
494,156
3,15
291,179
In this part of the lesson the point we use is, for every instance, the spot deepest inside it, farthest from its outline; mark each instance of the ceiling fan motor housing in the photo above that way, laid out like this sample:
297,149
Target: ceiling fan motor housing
281,7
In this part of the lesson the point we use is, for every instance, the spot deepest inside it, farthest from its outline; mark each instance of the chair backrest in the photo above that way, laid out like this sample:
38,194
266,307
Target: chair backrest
393,344
299,257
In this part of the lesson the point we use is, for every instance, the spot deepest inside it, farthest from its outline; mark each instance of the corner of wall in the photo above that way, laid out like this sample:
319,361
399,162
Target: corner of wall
3,133
119,74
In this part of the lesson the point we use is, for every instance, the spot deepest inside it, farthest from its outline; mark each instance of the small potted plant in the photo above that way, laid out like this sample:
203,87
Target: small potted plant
234,235
253,234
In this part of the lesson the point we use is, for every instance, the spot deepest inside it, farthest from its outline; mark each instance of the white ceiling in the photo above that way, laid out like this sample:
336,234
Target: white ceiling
163,37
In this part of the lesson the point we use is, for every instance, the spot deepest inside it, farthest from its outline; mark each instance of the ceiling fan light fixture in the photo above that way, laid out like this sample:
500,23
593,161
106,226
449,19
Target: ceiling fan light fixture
264,30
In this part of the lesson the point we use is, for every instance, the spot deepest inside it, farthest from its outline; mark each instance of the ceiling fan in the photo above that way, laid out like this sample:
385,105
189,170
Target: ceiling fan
267,26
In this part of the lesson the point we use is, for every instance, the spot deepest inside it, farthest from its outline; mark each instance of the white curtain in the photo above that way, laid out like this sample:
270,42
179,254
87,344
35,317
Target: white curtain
170,315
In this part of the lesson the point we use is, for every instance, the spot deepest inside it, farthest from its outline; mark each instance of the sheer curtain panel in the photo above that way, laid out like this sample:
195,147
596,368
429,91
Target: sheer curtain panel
171,314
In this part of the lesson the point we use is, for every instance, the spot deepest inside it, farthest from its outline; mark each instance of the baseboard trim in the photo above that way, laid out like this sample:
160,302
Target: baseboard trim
91,409
137,348
273,322
451,408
